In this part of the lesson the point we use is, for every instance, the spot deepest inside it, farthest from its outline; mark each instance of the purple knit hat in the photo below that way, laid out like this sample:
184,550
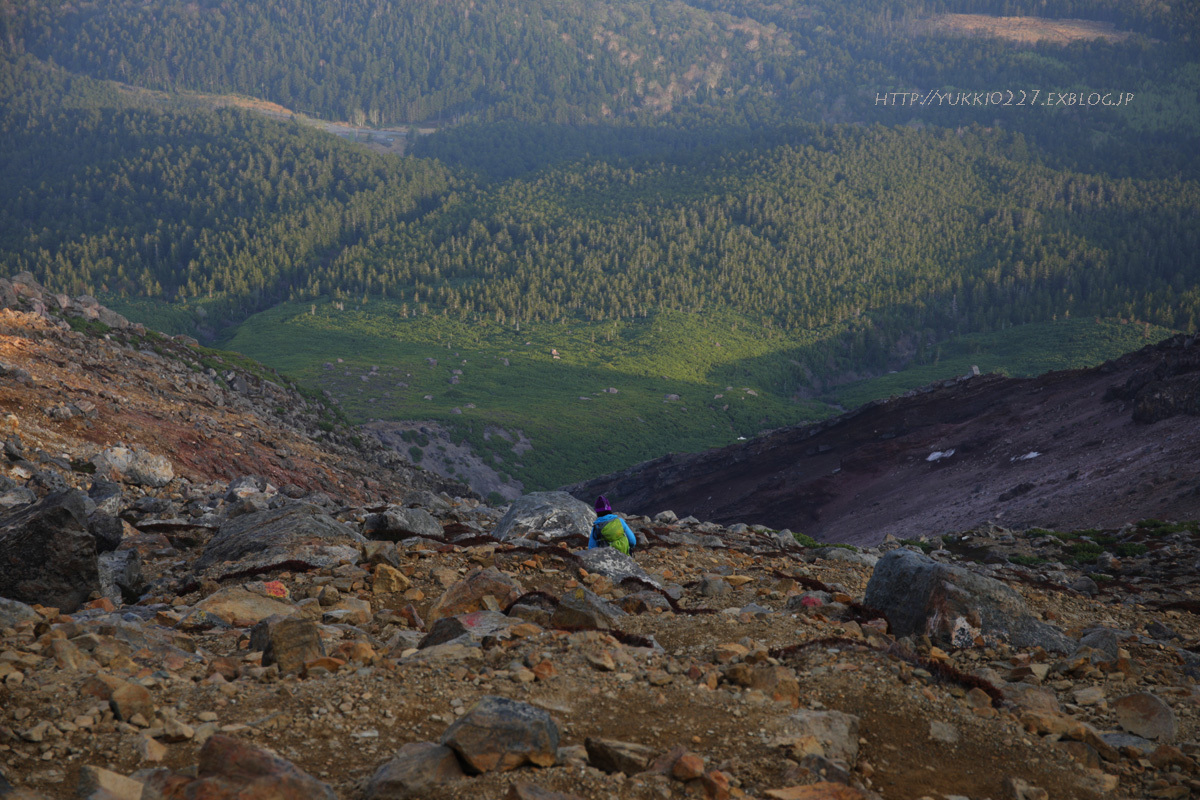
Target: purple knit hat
602,505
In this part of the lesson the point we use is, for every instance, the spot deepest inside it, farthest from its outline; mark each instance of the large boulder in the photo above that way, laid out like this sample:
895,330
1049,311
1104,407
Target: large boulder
1145,715
230,769
296,537
497,735
238,606
416,768
583,609
472,593
918,596
47,555
134,466
550,514
614,565
402,523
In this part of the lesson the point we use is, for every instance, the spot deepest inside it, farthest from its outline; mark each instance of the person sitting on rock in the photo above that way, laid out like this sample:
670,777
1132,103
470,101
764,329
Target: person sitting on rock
609,530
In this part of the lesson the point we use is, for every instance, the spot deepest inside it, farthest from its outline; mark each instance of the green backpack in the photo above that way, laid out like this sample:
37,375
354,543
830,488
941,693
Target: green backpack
613,534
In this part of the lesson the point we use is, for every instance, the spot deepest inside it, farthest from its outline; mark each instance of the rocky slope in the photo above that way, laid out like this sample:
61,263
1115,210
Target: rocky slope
1075,449
78,380
196,615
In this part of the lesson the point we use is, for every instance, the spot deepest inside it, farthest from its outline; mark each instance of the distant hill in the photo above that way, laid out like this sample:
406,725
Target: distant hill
1073,449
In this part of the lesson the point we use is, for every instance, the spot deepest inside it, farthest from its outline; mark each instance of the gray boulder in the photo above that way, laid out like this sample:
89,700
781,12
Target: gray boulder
107,497
580,608
17,496
497,735
1106,640
918,596
134,466
107,530
14,612
846,556
416,768
47,555
614,565
295,537
550,514
1143,714
121,577
402,523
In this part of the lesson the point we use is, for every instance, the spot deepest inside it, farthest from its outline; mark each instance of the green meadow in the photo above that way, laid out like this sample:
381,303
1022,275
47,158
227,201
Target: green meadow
683,382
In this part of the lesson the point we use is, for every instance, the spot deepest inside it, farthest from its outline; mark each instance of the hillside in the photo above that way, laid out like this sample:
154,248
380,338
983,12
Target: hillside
1074,449
194,630
80,380
737,184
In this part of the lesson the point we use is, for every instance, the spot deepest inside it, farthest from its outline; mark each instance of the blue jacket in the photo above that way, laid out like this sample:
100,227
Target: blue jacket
600,523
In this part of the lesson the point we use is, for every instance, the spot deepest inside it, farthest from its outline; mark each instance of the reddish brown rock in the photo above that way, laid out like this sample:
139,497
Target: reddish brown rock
468,594
688,767
231,769
416,768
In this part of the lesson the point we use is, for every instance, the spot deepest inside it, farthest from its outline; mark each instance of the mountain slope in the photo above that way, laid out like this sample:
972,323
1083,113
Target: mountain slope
71,394
1079,448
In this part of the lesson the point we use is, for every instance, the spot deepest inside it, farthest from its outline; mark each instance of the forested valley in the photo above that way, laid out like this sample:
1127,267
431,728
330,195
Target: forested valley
597,166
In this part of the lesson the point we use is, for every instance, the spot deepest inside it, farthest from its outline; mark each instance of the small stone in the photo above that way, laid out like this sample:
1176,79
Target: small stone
943,732
978,698
610,755
130,699
37,733
817,791
688,767
176,731
602,661
1022,790
388,580
834,734
289,643
349,611
236,606
150,749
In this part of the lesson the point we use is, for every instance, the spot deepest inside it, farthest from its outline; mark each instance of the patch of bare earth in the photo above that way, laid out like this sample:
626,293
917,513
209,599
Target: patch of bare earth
1026,30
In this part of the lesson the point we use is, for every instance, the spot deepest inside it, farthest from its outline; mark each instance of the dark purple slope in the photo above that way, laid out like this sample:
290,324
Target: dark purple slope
1115,443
